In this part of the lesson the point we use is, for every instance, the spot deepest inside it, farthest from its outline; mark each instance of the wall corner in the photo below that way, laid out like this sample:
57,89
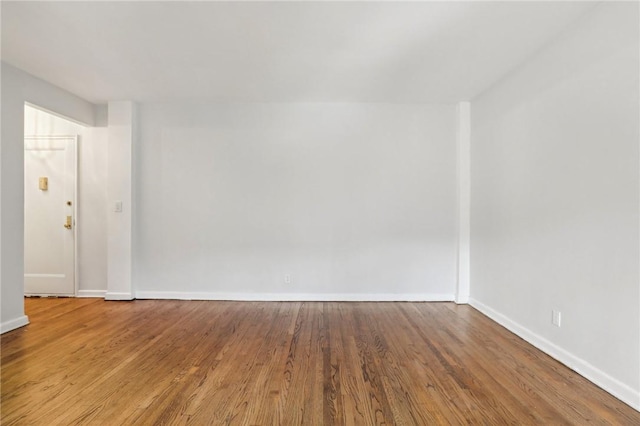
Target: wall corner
463,224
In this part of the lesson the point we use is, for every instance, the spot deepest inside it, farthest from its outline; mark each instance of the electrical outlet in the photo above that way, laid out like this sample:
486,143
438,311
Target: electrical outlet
287,278
556,318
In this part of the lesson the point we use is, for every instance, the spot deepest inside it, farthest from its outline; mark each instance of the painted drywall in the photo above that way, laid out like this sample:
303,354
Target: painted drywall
22,318
555,192
92,212
91,197
11,250
19,87
42,123
122,128
296,201
463,169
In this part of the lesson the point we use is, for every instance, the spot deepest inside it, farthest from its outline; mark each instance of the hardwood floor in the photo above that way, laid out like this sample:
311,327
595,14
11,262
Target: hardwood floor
87,361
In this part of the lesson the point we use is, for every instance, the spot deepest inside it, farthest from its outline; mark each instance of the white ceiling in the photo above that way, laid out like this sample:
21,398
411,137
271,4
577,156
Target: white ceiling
278,51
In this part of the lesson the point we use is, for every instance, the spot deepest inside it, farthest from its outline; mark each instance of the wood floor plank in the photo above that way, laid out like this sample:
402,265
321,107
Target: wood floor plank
88,361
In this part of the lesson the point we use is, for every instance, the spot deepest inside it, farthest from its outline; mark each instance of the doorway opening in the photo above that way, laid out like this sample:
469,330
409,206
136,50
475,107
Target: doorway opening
50,188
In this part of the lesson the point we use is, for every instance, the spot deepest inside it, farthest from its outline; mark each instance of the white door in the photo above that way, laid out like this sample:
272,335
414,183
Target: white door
49,215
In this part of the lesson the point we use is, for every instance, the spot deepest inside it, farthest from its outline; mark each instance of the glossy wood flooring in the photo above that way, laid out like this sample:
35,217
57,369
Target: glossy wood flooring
87,361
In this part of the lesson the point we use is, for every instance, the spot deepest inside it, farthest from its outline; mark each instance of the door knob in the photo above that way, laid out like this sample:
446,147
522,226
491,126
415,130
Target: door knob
68,223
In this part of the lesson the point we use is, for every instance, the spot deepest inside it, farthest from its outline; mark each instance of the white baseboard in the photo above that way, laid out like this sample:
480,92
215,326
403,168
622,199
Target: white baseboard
296,297
118,296
623,392
14,323
92,293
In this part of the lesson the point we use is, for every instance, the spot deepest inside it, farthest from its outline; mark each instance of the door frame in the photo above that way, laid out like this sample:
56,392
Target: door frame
74,208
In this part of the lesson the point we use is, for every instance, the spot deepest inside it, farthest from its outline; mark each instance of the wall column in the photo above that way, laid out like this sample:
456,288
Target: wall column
120,200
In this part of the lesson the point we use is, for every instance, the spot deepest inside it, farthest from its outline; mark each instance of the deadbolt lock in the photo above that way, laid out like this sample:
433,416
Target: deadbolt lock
68,223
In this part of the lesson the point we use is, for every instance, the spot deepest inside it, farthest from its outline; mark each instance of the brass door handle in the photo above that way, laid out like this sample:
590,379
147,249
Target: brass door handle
68,224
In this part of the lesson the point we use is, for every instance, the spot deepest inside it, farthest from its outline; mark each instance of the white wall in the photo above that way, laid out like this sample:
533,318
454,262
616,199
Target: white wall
19,87
463,170
555,193
122,127
92,212
91,197
42,123
352,201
